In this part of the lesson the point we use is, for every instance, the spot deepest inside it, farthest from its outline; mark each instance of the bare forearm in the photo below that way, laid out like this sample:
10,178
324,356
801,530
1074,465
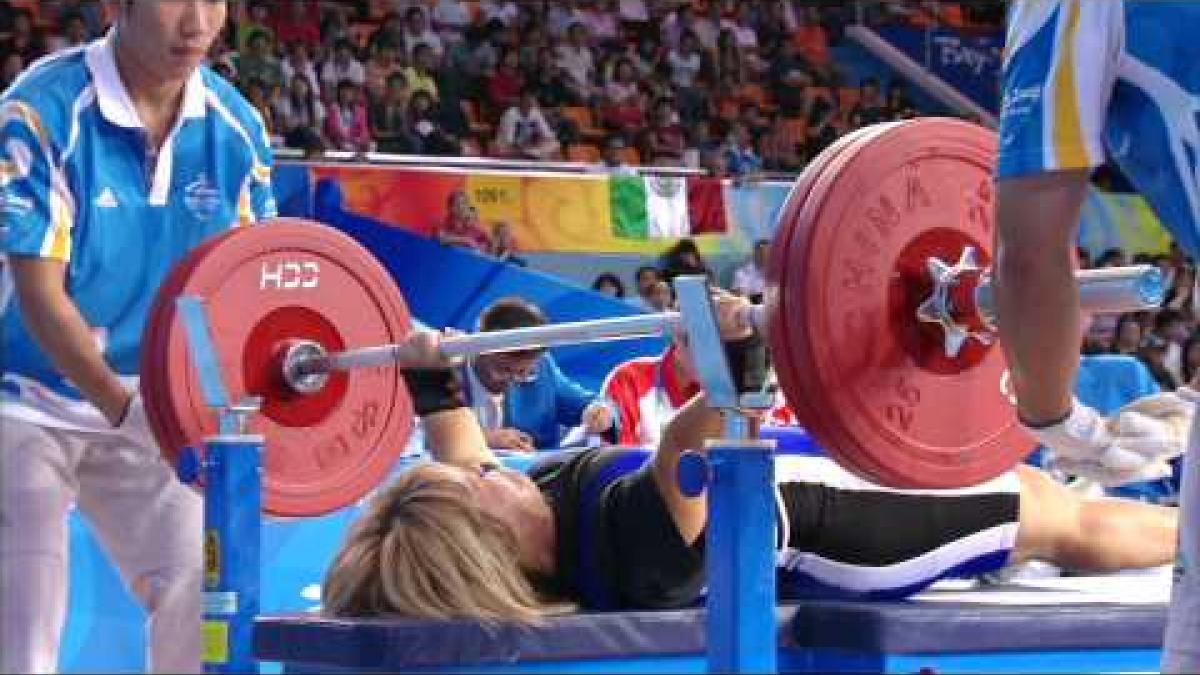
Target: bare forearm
65,336
693,425
455,437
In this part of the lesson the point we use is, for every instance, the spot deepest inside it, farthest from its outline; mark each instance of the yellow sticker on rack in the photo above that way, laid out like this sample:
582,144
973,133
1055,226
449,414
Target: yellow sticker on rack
216,642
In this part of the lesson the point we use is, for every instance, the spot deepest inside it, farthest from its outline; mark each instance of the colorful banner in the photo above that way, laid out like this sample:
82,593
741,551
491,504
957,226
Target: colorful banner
573,214
1121,220
547,213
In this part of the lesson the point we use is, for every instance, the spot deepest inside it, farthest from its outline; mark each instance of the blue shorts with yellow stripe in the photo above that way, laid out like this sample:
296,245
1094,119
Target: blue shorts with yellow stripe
1087,81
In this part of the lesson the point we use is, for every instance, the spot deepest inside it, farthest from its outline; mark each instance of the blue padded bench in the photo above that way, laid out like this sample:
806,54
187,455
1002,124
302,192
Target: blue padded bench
964,637
818,636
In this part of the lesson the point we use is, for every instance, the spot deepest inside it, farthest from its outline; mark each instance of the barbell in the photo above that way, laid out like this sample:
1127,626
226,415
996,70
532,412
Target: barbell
878,312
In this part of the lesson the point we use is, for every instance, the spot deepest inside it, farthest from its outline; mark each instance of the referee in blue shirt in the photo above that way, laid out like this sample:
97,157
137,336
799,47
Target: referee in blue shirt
116,159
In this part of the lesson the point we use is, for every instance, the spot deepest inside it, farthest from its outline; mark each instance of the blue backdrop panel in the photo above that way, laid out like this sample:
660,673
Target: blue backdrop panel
969,63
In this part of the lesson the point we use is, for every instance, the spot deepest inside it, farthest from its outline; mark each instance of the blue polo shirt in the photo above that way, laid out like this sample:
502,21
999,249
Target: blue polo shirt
80,184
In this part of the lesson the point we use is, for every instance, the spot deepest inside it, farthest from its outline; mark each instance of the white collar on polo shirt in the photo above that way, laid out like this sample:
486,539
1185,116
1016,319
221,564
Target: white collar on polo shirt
113,97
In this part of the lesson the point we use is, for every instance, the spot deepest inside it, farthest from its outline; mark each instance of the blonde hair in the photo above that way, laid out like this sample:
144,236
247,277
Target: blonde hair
425,549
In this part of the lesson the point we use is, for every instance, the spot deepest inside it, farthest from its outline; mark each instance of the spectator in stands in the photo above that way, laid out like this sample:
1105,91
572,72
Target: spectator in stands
73,31
870,107
560,16
612,156
453,87
899,102
790,79
687,65
389,118
11,65
391,31
684,259
633,12
751,115
624,104
683,21
257,62
1127,335
1183,285
450,18
609,284
779,147
1153,353
776,25
654,294
422,75
482,50
579,64
257,93
729,64
335,27
742,26
549,80
7,14
822,120
343,67
346,123
424,120
380,68
713,159
521,398
661,297
93,15
1174,327
750,279
662,143
1113,257
741,156
462,226
504,11
417,32
299,112
299,62
504,244
523,132
298,22
507,83
601,19
258,14
24,39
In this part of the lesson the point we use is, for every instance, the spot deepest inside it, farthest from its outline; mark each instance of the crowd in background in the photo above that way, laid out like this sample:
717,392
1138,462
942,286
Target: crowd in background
730,86
1166,340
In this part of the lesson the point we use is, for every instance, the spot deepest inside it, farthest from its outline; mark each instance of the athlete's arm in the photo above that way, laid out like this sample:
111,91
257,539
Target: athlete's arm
60,329
693,425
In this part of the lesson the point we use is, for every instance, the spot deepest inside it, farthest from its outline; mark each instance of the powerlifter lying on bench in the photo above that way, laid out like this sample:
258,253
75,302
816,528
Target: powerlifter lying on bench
606,529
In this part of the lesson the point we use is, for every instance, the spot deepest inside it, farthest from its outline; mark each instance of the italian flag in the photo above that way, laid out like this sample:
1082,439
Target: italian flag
664,207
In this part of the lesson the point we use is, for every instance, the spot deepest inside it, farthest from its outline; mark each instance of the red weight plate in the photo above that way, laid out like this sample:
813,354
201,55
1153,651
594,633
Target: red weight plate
898,407
792,357
791,365
263,287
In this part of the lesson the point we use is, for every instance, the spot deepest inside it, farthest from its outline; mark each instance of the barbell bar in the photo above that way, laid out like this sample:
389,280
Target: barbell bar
306,364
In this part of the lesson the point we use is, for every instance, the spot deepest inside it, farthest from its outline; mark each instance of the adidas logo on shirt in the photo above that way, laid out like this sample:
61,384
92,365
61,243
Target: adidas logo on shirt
107,200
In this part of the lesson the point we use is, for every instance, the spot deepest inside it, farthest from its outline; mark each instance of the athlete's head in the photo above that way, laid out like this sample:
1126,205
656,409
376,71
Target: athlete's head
169,39
441,542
